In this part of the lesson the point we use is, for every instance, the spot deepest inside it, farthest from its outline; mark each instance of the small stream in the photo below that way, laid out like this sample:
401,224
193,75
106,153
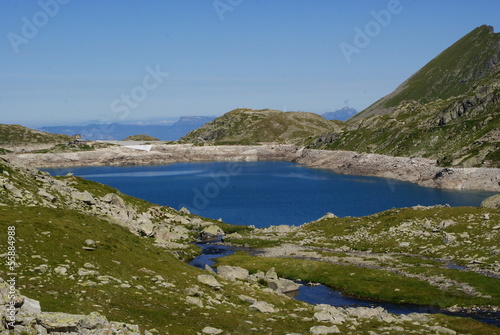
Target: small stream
322,294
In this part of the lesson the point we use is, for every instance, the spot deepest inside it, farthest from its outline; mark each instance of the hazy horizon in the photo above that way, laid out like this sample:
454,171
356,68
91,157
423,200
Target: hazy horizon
67,62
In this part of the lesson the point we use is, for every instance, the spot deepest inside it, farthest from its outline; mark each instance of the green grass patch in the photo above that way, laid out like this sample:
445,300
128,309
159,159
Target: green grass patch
361,282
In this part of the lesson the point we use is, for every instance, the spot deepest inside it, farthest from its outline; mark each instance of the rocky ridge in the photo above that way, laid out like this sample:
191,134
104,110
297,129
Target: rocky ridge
246,126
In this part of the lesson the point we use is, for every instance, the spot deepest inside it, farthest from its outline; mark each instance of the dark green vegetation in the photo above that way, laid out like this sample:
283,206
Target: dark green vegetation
16,134
248,126
448,111
141,138
402,255
60,148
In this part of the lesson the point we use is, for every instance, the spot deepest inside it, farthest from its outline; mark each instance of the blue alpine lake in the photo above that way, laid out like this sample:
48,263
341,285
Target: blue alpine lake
267,193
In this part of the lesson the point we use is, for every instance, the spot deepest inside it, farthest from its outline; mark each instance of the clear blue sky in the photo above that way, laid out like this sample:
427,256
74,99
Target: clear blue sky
285,54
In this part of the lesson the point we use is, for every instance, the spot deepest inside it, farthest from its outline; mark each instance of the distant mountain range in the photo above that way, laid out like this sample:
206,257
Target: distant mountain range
118,131
341,114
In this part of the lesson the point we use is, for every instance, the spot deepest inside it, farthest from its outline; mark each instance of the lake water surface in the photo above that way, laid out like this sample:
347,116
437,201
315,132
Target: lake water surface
267,193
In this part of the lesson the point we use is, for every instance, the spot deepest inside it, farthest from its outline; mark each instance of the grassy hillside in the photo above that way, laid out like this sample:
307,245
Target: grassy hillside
437,256
141,138
16,134
448,111
469,62
247,126
85,247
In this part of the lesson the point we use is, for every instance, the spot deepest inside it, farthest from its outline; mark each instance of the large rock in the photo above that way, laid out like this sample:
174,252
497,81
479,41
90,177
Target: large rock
209,280
46,195
30,306
113,199
324,330
211,232
15,191
232,272
84,197
262,306
283,285
492,202
211,330
5,291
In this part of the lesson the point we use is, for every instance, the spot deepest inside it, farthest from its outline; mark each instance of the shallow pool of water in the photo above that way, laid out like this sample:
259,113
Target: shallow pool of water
321,294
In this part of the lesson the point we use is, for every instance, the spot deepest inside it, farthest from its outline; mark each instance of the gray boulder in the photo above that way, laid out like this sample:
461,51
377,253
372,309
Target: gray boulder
211,330
46,195
209,280
113,199
84,197
262,306
232,272
283,285
211,232
492,202
324,330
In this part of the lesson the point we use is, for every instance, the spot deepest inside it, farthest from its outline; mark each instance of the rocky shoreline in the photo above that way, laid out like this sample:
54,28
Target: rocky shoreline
421,171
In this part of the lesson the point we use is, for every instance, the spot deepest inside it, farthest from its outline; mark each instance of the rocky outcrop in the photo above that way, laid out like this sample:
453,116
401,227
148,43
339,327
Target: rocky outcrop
491,202
22,315
280,285
422,171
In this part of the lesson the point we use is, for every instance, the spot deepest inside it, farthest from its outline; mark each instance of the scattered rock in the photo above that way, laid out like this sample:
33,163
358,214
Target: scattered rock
61,270
324,330
45,194
211,232
492,202
89,245
41,268
209,280
194,301
84,197
209,269
184,210
262,306
446,223
247,299
84,272
283,285
113,199
211,330
232,272
442,330
271,274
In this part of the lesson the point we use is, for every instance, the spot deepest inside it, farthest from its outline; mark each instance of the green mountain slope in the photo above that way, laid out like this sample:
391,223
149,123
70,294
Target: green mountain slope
248,126
469,62
448,111
84,247
16,134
